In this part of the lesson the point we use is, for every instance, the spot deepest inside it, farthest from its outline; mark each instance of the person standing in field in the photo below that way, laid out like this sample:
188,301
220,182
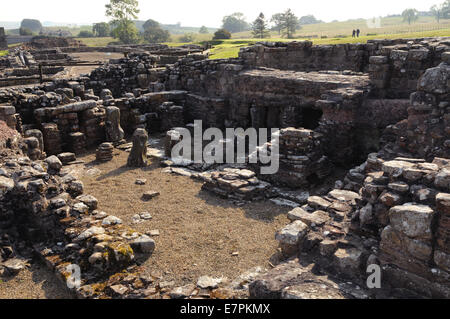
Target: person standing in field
358,32
353,35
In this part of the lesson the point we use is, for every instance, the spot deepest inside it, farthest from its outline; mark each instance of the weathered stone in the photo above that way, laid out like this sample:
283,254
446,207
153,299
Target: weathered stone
327,247
206,282
317,218
292,233
442,260
144,244
348,261
396,168
435,80
66,158
150,195
399,187
88,200
413,220
93,231
54,163
138,154
114,132
182,292
442,179
344,195
6,184
111,220
119,290
390,199
318,203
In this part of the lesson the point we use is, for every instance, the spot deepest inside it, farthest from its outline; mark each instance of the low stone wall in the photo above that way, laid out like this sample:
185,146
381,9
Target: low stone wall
45,208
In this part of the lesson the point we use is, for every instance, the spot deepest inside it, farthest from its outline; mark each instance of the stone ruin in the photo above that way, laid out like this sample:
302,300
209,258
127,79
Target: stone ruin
364,163
52,55
3,43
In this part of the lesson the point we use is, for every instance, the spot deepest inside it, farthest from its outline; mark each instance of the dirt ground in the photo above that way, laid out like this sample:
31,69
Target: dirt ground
36,282
92,57
200,234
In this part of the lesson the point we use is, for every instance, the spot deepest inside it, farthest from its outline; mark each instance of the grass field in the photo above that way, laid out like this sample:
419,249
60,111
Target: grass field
322,33
175,40
230,48
391,25
97,42
3,52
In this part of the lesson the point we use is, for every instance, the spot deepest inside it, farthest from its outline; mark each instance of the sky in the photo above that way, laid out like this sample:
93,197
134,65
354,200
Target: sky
196,13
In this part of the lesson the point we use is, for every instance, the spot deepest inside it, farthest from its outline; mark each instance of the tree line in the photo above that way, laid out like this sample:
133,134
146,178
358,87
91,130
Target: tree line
123,13
285,23
439,11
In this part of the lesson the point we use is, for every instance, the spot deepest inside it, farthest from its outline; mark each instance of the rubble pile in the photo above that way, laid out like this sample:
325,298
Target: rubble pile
236,184
45,207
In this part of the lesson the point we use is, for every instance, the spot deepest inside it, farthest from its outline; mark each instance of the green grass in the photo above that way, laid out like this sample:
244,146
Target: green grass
3,52
96,42
391,25
225,49
197,37
230,48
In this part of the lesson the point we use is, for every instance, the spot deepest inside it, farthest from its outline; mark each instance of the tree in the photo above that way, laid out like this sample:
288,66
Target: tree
86,34
410,15
289,24
235,23
259,27
222,34
309,19
32,24
446,9
436,10
122,12
101,29
277,20
187,37
151,24
203,30
25,31
126,32
156,35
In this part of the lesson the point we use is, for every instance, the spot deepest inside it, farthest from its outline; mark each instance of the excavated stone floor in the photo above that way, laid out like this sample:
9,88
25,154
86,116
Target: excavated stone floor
323,80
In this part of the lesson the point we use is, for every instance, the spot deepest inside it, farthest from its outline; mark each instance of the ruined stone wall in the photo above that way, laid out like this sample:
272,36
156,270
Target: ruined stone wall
399,218
426,130
303,56
394,65
3,43
44,209
123,75
395,70
156,112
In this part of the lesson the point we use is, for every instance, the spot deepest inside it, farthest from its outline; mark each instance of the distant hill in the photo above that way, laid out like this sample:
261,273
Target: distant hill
10,24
